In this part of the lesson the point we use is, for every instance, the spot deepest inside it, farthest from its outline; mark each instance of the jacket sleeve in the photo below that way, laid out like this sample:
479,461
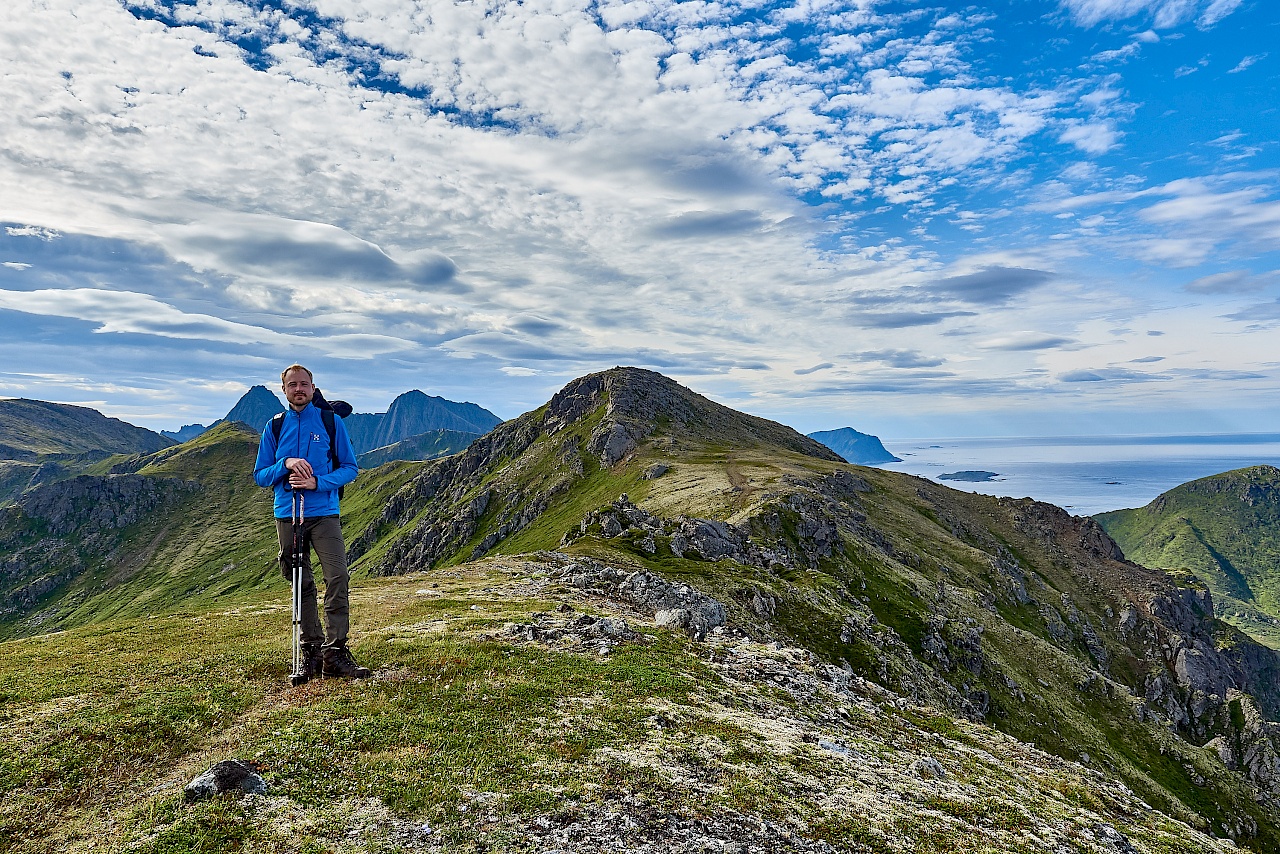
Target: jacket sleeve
347,468
267,471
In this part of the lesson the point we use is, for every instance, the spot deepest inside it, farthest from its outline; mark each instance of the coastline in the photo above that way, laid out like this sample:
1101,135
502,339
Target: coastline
1083,474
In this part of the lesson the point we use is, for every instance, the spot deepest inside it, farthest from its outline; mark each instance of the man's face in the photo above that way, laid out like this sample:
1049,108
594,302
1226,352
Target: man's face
298,389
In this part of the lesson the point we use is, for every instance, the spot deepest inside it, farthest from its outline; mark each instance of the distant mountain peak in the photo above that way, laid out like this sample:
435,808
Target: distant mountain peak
641,402
860,448
414,413
255,407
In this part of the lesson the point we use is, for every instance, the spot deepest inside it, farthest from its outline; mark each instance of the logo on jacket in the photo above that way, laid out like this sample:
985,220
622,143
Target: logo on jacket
316,437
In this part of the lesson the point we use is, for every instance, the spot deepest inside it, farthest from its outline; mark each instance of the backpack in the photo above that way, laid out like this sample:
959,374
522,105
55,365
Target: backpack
327,409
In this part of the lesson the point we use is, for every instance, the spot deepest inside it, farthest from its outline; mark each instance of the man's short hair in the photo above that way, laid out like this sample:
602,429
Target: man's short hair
293,368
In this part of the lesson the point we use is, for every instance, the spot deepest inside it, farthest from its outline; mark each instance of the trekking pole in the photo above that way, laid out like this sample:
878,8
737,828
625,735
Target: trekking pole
299,675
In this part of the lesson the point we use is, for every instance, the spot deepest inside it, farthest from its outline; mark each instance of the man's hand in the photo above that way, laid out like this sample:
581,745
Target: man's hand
299,467
298,481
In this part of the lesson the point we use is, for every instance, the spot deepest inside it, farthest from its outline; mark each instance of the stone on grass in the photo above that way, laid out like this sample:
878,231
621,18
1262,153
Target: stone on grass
928,768
231,775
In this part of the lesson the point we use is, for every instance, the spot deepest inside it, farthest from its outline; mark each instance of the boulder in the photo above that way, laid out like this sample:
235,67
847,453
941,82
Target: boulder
230,775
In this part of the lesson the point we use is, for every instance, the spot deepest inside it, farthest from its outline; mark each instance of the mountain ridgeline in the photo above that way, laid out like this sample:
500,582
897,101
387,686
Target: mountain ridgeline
967,624
1226,530
33,430
43,442
412,414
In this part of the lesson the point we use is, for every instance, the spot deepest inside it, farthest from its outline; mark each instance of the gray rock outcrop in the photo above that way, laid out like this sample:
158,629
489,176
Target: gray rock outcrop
234,776
675,605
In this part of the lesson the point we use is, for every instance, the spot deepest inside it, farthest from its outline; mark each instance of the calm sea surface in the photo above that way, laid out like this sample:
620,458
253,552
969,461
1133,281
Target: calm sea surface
1084,474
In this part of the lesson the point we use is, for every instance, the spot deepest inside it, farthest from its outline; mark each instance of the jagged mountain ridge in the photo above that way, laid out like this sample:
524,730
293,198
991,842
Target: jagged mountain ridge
1008,613
860,448
411,414
1225,529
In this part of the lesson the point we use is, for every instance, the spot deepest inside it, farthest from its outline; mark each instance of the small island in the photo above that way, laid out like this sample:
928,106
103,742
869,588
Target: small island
971,476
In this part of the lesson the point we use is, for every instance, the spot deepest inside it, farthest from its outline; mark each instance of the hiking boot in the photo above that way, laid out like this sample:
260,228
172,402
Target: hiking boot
338,662
312,660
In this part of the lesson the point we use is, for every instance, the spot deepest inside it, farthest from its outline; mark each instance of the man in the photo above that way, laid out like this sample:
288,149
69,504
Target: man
296,457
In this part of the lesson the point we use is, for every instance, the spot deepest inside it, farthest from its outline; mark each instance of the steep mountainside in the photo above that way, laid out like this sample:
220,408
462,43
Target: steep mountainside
31,429
860,448
1226,530
632,617
414,413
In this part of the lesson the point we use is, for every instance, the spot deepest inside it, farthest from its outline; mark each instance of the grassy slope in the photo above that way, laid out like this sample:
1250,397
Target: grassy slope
1032,682
218,546
479,736
1226,530
30,428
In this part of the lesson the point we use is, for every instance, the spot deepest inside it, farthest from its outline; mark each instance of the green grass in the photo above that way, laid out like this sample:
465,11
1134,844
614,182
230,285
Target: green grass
96,717
1226,530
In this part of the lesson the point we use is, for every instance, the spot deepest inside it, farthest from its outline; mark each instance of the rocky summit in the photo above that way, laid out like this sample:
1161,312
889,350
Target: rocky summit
632,619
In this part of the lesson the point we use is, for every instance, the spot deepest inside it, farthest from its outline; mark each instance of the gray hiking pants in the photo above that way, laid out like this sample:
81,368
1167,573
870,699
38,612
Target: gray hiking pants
324,534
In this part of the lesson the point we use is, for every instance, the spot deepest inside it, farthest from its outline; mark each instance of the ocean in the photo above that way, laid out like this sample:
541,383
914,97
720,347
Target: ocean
1084,474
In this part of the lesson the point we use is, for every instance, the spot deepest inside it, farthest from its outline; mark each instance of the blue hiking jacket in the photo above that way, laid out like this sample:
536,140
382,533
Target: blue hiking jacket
302,434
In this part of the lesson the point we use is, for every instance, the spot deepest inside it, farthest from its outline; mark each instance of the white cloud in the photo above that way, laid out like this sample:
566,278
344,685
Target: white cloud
1247,62
1025,341
30,231
1163,14
1231,282
1245,214
124,312
556,184
1090,137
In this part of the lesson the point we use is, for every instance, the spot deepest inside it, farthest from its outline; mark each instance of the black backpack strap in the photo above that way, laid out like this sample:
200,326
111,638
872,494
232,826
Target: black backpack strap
277,422
327,416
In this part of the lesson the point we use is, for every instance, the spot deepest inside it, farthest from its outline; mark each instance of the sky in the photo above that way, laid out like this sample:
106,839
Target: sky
1030,217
